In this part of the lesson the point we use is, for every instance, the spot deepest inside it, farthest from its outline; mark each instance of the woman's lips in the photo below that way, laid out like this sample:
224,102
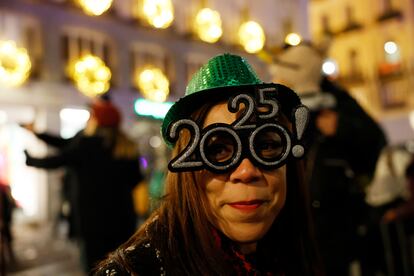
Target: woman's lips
246,205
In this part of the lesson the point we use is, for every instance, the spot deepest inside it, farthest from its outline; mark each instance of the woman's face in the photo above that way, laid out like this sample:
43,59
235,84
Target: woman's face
246,200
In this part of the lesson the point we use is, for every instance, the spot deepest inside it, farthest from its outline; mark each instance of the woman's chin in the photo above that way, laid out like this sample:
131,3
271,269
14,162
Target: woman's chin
246,233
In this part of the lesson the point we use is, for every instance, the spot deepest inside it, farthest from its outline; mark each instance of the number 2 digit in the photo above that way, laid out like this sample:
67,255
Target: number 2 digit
182,160
234,105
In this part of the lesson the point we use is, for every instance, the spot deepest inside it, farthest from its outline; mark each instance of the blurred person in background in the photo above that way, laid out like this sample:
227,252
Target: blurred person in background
344,142
69,181
234,201
105,165
404,210
7,205
387,191
397,227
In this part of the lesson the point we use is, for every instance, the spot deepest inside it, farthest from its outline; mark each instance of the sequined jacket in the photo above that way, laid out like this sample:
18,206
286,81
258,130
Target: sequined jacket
145,260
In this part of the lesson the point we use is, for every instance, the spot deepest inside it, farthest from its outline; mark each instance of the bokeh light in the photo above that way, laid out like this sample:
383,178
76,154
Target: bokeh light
293,39
208,25
95,7
144,107
330,67
91,75
158,13
152,83
251,37
15,64
390,47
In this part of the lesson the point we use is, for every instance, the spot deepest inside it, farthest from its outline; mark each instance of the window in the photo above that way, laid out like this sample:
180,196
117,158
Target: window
155,58
325,24
354,69
78,42
25,32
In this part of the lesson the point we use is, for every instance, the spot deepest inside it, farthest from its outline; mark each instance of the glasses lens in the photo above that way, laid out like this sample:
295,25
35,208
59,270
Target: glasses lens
220,147
268,144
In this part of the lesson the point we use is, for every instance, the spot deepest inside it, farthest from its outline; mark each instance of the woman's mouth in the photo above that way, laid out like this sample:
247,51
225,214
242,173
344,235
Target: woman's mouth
246,205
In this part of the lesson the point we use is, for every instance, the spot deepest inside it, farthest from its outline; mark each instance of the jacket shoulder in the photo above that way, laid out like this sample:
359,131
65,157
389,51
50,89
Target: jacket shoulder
142,259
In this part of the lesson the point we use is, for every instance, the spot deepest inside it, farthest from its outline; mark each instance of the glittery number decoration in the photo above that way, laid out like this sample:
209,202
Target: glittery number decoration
240,123
234,105
273,110
283,134
301,121
274,107
181,161
236,157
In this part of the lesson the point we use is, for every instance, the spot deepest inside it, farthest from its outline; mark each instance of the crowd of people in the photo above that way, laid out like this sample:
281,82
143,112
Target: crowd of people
285,178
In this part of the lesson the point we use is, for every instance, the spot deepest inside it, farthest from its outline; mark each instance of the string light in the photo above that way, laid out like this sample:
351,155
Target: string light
251,36
158,13
208,25
15,64
90,75
95,7
153,84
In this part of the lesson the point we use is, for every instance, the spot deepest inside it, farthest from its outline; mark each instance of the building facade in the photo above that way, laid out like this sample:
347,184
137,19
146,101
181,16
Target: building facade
372,43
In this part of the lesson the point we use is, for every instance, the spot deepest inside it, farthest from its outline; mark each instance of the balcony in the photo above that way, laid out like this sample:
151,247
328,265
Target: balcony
390,71
390,14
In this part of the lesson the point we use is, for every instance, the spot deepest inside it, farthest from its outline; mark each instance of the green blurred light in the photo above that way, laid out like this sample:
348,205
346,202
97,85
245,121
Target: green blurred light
157,110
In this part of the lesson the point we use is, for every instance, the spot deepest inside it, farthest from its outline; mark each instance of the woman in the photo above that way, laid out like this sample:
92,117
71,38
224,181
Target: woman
103,169
234,202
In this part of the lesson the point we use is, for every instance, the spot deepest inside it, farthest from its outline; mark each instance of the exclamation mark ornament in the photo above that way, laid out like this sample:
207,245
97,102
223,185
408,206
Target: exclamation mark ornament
301,121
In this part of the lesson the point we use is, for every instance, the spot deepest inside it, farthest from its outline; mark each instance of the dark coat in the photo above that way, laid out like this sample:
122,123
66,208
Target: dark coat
338,168
142,257
104,206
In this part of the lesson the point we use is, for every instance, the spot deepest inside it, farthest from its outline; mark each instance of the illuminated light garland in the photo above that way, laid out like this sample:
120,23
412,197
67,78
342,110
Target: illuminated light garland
15,64
251,37
158,13
152,83
95,7
91,75
208,25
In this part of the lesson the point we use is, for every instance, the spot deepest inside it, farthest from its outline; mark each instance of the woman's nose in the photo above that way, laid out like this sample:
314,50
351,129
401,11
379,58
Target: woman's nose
245,172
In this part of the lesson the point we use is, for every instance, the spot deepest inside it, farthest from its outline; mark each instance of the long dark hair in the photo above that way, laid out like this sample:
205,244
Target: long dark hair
181,230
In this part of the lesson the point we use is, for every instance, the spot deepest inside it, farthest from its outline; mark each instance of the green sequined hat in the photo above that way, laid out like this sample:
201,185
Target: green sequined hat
222,71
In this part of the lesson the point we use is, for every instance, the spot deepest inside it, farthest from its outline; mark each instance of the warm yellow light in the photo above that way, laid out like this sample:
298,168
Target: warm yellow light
152,83
390,47
293,39
251,36
15,64
330,67
208,25
91,76
158,13
95,7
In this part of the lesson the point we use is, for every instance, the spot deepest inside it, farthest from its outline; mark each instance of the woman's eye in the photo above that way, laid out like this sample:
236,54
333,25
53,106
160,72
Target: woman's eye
269,148
220,152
